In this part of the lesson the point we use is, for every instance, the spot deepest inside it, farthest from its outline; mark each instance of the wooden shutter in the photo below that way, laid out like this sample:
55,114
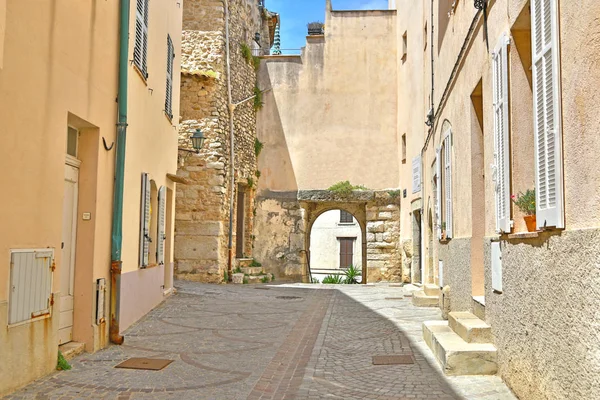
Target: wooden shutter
30,289
169,92
438,193
162,207
547,114
448,182
496,267
346,252
501,136
416,174
145,222
140,50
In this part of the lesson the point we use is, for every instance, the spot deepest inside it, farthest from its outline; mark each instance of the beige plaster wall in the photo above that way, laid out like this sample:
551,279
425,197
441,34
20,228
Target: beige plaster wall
325,243
543,322
152,141
54,72
332,113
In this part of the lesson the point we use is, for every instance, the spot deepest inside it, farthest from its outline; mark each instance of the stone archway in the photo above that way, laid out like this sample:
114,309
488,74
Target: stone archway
377,213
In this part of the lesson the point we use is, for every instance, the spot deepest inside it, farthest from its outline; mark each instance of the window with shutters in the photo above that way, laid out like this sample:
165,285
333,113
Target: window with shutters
346,217
169,91
161,229
416,174
501,166
346,252
140,49
145,213
547,113
444,187
153,251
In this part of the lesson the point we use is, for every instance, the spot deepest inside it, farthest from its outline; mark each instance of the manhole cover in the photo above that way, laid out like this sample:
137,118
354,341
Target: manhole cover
288,297
262,288
152,364
392,360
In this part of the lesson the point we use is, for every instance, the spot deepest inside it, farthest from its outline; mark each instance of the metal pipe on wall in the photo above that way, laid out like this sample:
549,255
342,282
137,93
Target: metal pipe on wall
117,216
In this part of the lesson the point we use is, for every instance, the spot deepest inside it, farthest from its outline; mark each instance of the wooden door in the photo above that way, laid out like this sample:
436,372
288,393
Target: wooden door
346,252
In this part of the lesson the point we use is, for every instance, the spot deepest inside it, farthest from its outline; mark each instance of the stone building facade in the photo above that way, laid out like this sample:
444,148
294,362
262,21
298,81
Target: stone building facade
212,177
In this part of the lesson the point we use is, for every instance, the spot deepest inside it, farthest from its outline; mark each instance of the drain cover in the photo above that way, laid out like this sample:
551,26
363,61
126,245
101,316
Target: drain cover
152,364
262,288
392,360
288,297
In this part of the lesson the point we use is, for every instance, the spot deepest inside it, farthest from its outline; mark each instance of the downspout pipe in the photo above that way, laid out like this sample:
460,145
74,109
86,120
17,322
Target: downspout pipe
231,107
116,264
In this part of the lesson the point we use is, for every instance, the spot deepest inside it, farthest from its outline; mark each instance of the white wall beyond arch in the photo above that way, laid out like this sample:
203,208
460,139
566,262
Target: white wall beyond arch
324,241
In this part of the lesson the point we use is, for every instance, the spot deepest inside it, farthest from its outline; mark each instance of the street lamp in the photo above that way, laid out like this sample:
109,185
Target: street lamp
197,140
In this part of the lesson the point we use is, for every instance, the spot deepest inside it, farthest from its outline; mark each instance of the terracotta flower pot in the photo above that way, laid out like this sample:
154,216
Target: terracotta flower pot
530,221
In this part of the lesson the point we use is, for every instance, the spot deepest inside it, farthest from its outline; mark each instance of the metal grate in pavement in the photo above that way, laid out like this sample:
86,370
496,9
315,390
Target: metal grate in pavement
392,360
152,364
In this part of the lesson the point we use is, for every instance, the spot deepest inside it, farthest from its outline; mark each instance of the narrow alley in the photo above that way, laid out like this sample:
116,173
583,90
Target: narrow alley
295,341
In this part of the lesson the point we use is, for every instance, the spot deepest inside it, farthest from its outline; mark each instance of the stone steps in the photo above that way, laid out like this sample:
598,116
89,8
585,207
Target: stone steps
470,328
432,290
455,355
241,278
71,349
421,299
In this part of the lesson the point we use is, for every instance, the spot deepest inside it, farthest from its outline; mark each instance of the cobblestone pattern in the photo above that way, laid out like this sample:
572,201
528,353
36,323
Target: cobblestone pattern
286,342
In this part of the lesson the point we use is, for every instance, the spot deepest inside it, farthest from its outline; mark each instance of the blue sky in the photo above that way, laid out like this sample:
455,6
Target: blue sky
295,14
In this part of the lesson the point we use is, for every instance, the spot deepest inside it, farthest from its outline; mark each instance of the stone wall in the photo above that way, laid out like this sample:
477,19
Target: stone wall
202,205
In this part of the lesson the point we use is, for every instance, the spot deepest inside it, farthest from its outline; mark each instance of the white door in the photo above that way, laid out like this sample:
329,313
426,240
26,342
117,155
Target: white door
67,268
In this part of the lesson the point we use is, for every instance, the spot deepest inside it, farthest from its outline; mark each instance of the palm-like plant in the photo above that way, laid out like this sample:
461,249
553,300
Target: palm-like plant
351,274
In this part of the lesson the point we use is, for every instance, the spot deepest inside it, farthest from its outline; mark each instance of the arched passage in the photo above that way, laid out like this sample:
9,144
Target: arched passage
335,244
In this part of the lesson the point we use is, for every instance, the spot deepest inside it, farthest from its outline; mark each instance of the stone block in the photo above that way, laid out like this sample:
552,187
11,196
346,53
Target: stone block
380,245
199,228
238,279
385,215
370,237
375,227
193,247
470,328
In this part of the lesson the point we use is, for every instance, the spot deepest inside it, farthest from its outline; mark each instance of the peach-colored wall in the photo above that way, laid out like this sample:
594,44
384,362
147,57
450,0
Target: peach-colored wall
59,61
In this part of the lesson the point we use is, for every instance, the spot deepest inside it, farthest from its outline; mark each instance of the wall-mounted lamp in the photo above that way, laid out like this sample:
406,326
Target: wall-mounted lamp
257,37
197,142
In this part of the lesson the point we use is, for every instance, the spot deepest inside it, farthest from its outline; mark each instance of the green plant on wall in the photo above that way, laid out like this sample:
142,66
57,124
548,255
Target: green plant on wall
258,96
394,194
250,182
258,146
255,264
257,174
61,363
246,52
345,188
256,62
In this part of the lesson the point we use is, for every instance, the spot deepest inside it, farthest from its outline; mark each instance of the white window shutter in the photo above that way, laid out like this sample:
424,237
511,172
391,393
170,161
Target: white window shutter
547,114
416,174
448,182
169,91
496,266
145,222
501,136
438,193
140,50
162,207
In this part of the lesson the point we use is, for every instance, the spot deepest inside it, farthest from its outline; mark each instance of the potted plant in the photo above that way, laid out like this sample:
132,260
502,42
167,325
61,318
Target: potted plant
526,203
315,28
443,231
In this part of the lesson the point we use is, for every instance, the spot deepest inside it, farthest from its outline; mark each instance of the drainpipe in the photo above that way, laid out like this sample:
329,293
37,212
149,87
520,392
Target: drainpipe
116,264
231,143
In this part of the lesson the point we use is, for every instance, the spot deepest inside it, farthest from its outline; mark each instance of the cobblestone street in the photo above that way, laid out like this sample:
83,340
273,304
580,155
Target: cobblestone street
271,342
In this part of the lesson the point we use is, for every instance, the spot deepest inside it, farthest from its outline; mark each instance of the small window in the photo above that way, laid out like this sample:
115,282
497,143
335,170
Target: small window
72,139
404,45
404,148
346,217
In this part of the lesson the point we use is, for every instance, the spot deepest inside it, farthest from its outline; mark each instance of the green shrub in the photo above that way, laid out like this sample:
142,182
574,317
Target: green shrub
225,276
351,274
265,279
525,201
258,96
333,279
315,280
62,364
257,174
255,264
256,62
345,188
246,52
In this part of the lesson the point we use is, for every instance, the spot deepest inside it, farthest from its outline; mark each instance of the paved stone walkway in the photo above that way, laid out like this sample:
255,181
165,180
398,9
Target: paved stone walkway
271,342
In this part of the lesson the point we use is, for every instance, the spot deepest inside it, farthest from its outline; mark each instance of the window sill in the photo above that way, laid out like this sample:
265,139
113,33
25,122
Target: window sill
524,235
141,74
445,241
